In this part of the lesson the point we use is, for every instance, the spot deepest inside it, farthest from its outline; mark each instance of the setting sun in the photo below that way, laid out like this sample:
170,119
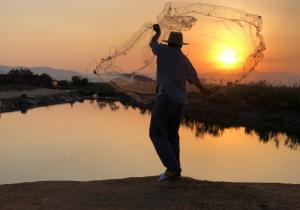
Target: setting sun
228,56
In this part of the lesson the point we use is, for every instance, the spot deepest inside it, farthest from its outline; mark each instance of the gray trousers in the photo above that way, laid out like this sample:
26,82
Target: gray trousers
164,126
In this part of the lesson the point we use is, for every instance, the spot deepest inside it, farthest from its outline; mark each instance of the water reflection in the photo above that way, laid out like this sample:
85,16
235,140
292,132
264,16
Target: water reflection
201,128
265,135
216,129
104,139
112,104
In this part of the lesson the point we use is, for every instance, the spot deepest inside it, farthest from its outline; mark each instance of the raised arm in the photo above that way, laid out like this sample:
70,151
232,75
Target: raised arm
155,46
155,38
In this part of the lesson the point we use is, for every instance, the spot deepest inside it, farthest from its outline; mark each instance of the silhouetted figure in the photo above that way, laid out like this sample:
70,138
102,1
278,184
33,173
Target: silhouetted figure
173,71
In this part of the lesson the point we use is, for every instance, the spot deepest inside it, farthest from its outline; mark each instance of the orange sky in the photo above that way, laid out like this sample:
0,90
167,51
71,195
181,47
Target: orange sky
70,33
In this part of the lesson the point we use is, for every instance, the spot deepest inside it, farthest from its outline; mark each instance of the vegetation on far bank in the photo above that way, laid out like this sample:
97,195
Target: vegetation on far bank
24,79
225,108
260,94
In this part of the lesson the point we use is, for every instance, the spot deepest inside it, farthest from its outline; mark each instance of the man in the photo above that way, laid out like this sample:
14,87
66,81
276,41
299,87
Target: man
173,71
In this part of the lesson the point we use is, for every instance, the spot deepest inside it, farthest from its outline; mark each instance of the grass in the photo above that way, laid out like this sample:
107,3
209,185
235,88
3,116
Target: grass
261,94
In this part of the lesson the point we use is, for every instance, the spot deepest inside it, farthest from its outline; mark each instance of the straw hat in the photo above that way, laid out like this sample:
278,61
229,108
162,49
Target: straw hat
175,38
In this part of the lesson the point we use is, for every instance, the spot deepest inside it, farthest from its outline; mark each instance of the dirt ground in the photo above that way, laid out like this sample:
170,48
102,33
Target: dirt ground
147,193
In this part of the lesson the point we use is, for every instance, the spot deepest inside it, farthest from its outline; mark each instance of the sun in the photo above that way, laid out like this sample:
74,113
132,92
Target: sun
228,56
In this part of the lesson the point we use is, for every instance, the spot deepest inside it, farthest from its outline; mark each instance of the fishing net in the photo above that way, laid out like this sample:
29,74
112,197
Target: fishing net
225,44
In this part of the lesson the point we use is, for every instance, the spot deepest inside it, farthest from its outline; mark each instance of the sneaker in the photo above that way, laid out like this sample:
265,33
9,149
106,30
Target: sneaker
169,175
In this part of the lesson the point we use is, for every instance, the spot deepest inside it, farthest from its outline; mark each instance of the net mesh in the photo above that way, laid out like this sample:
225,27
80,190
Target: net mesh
225,44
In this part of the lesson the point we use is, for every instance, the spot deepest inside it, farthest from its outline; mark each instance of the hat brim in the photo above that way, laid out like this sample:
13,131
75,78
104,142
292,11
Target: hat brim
183,43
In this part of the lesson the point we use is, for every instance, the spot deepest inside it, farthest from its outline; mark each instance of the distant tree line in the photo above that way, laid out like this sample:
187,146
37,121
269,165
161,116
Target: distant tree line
79,81
24,76
20,71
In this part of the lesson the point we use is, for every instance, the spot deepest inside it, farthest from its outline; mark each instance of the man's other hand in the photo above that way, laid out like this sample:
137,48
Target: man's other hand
156,28
206,92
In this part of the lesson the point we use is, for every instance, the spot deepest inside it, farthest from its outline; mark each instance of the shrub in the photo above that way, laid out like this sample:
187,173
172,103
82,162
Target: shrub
79,81
261,94
20,71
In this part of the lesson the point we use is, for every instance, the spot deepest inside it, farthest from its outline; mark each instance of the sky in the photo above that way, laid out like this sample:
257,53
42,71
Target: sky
68,34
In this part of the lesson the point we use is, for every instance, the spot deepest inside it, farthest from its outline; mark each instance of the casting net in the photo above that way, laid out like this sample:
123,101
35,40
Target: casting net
225,44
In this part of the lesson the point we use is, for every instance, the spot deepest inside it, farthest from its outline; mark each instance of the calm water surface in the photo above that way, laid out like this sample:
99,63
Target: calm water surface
94,141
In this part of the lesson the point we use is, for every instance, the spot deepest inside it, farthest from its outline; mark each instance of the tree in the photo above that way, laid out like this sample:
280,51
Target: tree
79,81
20,71
45,80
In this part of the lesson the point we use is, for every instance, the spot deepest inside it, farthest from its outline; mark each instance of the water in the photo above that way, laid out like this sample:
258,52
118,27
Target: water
91,141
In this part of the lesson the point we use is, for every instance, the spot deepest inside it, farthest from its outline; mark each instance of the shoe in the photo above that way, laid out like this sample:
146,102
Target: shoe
169,175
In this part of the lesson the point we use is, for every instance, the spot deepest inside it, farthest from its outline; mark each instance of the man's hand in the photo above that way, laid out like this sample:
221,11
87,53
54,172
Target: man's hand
155,38
156,28
206,92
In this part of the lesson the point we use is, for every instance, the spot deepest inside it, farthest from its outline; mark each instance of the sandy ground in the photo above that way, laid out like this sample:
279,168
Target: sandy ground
147,193
30,93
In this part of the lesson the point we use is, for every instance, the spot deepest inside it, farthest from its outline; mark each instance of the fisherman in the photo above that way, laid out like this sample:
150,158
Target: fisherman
173,71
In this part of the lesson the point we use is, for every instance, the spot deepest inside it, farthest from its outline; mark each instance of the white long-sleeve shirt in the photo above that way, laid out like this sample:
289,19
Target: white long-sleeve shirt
173,71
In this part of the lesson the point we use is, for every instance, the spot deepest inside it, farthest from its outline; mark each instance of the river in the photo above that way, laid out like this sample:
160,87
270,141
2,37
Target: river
100,140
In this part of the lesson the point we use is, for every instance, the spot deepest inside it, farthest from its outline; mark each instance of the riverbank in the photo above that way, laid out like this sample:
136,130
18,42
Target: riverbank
147,193
14,100
234,114
23,100
198,109
38,92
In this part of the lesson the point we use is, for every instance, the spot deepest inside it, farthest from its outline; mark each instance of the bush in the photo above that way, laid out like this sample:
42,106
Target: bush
21,71
261,94
78,81
45,80
25,77
63,83
104,89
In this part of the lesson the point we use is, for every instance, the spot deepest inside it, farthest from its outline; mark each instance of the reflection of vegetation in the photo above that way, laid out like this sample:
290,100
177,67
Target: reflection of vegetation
113,106
201,128
101,104
111,103
289,139
216,128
